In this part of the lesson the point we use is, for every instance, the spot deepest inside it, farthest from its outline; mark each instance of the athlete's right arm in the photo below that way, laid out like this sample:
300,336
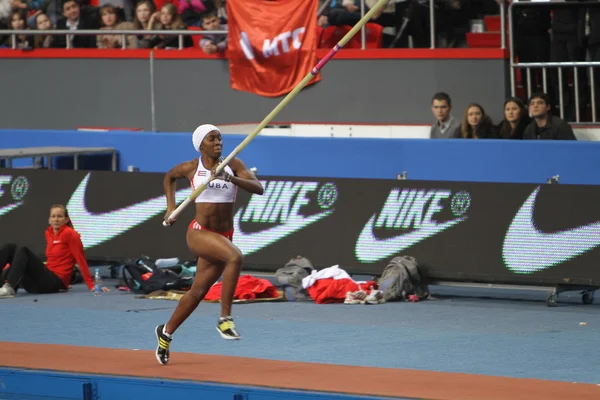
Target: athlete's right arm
181,171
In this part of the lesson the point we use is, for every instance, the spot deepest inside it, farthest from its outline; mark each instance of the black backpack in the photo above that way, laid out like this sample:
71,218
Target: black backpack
134,271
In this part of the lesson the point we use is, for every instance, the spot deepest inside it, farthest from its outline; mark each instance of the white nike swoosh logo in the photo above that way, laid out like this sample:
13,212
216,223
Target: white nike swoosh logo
99,228
10,207
369,248
526,249
249,243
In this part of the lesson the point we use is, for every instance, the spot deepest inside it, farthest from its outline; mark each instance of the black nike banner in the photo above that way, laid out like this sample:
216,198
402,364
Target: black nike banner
484,232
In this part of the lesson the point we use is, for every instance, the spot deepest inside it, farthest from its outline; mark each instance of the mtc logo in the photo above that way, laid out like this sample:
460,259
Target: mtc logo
271,47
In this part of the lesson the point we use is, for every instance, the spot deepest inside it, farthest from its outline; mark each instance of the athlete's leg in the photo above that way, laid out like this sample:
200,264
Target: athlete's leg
231,274
215,253
206,275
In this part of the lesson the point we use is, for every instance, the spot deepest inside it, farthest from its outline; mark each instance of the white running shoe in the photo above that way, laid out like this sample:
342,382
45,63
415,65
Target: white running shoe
7,291
357,297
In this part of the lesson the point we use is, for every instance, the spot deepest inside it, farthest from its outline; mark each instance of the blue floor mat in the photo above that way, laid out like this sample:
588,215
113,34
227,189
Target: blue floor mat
508,333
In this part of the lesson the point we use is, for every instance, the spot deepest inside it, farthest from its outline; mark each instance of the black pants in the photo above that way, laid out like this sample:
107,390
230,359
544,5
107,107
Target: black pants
594,49
565,48
27,270
534,49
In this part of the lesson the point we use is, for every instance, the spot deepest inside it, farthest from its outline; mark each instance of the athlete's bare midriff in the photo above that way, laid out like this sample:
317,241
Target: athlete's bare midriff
215,216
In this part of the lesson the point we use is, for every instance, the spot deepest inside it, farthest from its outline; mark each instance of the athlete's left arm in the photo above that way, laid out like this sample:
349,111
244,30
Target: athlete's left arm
244,178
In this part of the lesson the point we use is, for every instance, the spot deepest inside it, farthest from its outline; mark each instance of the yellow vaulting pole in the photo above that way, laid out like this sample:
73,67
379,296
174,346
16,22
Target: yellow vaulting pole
277,109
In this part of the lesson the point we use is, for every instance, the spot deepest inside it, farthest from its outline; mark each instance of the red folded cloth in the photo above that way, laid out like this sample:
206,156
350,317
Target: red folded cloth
248,288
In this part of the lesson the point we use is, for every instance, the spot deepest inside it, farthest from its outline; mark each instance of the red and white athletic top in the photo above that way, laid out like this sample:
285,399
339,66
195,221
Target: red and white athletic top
218,190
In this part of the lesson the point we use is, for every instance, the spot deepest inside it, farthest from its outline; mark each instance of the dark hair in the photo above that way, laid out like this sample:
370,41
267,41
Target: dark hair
506,131
68,1
136,22
442,96
21,13
209,14
540,95
69,223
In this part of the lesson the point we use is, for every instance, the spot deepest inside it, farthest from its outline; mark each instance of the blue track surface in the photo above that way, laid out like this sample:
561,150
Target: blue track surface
511,334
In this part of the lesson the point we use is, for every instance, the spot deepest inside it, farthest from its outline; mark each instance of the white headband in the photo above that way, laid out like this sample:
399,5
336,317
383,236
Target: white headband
201,132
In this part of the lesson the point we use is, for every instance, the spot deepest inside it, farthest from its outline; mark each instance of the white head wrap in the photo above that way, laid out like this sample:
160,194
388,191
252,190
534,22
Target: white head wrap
201,132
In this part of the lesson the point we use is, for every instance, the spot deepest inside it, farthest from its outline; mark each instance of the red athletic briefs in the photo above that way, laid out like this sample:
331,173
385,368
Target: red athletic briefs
196,225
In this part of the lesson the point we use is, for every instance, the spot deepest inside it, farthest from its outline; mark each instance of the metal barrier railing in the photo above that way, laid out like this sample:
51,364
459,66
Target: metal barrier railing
182,33
560,67
97,32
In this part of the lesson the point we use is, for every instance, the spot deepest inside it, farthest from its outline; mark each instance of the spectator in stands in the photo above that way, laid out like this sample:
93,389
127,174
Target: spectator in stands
110,21
388,18
43,23
416,12
212,44
476,124
123,8
446,126
143,11
452,23
63,250
221,9
342,12
74,20
191,11
18,21
169,19
532,41
516,119
568,26
31,7
546,126
53,9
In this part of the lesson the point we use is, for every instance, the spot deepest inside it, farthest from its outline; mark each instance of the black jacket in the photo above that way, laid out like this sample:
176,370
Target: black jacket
80,41
555,129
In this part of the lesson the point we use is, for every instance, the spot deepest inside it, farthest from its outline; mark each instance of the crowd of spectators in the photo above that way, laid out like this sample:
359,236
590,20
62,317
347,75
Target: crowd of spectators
541,34
404,19
115,15
531,121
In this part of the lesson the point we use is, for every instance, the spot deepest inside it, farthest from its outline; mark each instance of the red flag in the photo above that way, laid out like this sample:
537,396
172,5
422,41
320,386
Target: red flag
271,44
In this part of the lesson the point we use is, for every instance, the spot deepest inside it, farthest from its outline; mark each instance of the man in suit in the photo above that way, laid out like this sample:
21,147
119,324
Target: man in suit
75,19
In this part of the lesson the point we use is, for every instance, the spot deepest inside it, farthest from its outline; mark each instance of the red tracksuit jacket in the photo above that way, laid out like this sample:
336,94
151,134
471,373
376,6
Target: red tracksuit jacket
63,250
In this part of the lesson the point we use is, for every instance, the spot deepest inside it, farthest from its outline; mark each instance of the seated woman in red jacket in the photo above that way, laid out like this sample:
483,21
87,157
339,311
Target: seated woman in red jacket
63,250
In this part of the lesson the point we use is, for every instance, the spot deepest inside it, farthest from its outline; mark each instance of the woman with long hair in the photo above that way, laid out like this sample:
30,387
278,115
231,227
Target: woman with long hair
169,19
516,119
476,124
23,268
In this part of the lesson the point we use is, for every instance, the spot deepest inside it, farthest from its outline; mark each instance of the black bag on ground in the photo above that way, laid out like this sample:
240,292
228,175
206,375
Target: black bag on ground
290,278
401,278
159,278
